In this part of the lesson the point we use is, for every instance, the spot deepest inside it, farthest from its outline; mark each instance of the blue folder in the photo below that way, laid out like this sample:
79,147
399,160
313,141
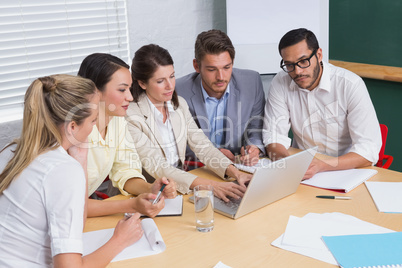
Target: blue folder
368,250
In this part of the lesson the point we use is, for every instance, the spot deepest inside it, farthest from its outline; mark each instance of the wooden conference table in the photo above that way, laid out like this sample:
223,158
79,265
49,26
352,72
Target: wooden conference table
246,242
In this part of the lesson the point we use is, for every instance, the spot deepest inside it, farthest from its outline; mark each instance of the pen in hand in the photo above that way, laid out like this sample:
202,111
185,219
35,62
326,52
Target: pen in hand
245,150
159,195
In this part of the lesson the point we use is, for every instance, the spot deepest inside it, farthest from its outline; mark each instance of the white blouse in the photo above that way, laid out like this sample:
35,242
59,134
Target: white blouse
41,212
165,129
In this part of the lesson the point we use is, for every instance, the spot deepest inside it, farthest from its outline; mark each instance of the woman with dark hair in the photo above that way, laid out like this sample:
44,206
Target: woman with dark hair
43,182
162,126
111,150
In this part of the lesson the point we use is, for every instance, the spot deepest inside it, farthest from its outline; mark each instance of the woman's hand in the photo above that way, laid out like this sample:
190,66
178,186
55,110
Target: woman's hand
223,190
129,230
143,204
170,189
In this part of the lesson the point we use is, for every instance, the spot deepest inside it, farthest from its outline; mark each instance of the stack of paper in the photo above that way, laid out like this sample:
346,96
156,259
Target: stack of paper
387,196
149,244
303,235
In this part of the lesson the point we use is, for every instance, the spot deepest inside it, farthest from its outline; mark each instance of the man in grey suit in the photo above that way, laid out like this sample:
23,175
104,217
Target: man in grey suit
227,103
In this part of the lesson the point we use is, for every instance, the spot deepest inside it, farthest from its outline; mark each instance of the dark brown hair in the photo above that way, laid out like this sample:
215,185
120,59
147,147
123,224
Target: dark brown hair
213,42
146,61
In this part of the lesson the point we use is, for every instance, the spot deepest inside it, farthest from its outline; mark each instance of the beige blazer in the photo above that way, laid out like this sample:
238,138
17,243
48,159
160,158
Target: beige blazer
148,142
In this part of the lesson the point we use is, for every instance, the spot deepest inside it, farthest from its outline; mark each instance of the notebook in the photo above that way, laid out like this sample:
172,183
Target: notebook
368,250
386,195
173,207
340,180
268,184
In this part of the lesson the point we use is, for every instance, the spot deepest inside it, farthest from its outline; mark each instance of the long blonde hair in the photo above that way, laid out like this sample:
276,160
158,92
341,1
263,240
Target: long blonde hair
49,102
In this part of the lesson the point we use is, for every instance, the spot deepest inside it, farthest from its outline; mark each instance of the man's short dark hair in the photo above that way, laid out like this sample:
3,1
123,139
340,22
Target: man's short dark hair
213,42
297,35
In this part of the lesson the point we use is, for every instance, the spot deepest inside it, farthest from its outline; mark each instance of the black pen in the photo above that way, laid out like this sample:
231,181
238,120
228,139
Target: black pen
159,195
334,197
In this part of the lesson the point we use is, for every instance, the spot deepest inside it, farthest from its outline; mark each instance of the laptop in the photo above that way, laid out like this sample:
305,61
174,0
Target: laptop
268,184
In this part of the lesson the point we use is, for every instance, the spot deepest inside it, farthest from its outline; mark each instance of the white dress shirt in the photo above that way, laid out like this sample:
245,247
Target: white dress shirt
165,128
42,210
337,116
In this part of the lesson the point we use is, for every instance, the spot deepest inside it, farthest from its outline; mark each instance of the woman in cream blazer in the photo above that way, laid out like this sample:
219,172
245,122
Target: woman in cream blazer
162,126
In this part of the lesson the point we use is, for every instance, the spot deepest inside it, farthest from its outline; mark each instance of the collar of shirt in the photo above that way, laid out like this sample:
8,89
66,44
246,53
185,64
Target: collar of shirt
325,80
207,97
158,115
96,138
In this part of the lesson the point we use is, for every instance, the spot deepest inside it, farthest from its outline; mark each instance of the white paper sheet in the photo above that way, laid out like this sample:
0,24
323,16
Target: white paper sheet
387,196
221,265
150,243
303,235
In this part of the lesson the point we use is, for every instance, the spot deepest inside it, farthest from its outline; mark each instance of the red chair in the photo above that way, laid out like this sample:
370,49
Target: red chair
101,194
193,164
381,157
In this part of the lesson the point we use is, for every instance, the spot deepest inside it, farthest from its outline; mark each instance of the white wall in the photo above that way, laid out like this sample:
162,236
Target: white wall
172,24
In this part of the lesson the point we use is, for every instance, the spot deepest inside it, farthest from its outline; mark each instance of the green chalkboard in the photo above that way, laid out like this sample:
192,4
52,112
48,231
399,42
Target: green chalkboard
370,31
366,31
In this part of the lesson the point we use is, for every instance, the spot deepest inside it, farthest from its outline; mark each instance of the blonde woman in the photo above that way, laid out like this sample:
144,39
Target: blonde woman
43,181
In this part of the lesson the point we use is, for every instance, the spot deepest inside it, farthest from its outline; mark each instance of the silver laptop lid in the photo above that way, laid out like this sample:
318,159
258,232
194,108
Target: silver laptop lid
275,181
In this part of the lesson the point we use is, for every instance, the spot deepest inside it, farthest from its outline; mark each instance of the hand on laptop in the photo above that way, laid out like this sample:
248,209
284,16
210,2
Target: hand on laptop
223,190
241,177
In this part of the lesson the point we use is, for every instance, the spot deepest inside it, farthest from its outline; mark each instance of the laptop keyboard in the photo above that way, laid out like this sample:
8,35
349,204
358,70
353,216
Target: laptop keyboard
233,203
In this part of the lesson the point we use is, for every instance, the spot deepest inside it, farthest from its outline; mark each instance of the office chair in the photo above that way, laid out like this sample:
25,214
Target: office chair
100,194
188,165
382,156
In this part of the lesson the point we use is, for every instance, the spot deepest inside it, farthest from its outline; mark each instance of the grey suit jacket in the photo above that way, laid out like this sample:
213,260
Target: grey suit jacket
245,107
149,143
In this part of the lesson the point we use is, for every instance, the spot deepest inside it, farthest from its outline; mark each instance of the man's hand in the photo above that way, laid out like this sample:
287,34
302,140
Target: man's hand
250,156
314,168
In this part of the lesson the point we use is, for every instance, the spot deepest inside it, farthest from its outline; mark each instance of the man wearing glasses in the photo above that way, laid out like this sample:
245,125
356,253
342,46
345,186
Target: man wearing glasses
324,105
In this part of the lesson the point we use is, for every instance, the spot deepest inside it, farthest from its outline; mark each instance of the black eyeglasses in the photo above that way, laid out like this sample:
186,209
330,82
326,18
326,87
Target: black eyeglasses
304,63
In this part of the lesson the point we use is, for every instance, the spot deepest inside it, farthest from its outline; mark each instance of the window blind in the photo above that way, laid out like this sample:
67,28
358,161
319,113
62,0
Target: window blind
44,37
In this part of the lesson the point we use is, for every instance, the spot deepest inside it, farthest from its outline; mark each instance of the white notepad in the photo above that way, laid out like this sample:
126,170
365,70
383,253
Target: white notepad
149,244
387,196
173,207
263,162
340,180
